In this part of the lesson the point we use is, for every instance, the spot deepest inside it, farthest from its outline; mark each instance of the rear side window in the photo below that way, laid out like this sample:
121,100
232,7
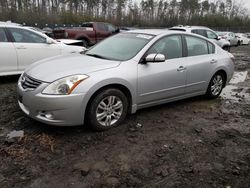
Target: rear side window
25,36
196,46
3,37
200,32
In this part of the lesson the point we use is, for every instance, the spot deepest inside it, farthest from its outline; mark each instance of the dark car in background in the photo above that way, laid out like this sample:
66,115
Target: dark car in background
89,33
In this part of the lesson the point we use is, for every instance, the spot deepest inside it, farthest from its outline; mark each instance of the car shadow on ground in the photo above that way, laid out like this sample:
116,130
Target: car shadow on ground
34,126
9,79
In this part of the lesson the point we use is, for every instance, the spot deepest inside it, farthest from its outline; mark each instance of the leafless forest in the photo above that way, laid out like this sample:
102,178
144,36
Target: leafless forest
150,13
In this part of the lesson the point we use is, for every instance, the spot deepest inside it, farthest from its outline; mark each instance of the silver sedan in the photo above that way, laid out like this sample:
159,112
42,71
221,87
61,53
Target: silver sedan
121,75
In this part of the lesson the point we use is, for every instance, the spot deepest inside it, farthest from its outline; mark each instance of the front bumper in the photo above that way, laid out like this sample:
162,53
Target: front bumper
62,110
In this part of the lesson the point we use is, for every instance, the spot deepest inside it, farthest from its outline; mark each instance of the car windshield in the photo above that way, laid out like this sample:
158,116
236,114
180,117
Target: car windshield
120,47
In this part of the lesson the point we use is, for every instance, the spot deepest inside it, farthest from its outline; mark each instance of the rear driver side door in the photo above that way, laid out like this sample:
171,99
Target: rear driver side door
200,62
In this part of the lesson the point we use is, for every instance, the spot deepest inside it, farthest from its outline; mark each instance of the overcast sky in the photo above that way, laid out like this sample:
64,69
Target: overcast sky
245,2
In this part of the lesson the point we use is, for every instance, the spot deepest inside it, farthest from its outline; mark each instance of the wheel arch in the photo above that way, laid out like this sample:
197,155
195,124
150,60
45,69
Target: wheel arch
118,86
96,90
82,37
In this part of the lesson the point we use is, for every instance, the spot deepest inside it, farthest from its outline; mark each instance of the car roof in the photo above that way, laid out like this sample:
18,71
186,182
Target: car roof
189,27
153,31
8,23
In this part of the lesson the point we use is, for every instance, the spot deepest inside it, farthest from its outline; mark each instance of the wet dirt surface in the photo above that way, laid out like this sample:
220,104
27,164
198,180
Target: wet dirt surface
190,143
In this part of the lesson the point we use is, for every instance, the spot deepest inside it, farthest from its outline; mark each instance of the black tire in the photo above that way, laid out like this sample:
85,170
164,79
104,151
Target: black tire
94,104
211,94
85,43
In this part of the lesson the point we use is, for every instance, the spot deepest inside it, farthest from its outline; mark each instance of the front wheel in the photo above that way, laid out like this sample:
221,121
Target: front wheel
107,109
215,86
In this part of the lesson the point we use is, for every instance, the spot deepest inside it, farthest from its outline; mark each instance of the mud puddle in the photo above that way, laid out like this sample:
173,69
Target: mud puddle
234,91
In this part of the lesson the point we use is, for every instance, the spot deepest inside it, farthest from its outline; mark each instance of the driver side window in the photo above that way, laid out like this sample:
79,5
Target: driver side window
170,46
25,36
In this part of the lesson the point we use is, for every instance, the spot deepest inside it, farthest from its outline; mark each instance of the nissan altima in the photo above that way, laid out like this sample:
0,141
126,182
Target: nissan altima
122,74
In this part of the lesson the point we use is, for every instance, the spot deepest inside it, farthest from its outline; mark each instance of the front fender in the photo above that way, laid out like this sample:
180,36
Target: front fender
105,83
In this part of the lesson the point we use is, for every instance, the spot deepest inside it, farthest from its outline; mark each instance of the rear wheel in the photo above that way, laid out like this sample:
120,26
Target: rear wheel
107,109
216,85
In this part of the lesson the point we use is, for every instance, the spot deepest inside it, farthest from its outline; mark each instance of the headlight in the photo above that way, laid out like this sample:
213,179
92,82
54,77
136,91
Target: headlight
64,86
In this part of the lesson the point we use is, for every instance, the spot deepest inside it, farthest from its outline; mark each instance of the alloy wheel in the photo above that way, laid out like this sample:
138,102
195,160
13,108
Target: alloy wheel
109,110
217,85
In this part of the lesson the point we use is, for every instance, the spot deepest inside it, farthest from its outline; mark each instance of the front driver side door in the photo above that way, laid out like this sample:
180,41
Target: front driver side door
8,56
165,80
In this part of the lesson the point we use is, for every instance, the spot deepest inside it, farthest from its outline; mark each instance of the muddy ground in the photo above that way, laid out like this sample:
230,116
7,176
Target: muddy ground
191,143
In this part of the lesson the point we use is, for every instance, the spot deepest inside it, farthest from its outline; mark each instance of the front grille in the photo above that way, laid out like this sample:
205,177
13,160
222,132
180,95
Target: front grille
29,83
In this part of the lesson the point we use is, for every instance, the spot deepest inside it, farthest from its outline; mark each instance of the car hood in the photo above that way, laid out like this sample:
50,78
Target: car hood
51,69
66,48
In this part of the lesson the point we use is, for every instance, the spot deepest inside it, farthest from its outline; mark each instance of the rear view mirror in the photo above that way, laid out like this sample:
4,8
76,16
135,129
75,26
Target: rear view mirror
155,58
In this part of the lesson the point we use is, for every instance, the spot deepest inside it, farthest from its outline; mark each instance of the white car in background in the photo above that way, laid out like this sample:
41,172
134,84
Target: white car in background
243,38
231,37
205,32
21,46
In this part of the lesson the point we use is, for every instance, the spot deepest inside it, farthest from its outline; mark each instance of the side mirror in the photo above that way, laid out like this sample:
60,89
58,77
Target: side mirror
218,38
155,58
49,41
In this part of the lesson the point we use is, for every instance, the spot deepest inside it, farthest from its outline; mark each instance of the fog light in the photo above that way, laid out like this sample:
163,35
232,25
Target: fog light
47,115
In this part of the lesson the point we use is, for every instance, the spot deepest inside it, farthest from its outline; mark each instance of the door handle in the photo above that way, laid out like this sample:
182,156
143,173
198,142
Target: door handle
21,48
181,68
213,61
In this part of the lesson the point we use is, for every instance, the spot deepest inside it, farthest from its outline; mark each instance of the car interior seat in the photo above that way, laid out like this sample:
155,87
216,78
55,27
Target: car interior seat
199,49
172,49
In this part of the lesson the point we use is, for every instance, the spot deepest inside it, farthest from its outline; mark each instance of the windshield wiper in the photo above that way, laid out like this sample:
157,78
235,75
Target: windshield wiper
97,56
